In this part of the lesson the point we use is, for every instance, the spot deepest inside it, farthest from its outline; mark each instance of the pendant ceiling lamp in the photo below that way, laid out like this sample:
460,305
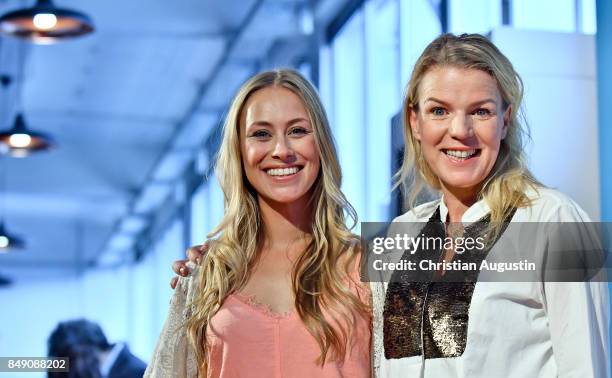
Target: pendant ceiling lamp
8,241
45,24
19,141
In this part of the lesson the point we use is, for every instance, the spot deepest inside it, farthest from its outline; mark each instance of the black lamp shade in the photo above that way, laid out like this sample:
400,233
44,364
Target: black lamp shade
66,23
36,141
8,241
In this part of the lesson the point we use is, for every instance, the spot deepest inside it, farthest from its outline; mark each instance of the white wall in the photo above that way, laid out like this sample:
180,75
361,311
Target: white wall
561,105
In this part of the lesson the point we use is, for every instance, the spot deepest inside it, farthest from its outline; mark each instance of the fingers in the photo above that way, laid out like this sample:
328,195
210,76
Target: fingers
195,253
173,282
179,267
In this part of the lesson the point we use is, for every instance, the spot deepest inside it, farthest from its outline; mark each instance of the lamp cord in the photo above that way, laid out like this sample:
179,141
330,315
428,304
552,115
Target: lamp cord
21,50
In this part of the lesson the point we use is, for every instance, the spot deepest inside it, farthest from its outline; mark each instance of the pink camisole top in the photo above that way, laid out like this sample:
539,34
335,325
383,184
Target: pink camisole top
248,340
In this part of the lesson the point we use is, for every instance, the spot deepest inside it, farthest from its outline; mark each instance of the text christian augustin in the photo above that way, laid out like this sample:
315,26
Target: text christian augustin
412,244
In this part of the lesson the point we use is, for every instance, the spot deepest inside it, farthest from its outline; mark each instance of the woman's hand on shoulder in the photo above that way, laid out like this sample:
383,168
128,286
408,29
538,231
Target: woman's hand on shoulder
181,268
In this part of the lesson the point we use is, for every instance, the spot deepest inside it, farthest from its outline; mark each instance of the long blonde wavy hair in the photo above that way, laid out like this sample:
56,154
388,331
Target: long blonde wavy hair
505,186
319,275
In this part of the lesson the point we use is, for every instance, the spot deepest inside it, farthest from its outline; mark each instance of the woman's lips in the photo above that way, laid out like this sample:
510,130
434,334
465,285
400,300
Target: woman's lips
283,172
460,156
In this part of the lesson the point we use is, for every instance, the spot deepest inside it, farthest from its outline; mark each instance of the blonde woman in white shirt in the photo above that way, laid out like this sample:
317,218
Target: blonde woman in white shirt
464,140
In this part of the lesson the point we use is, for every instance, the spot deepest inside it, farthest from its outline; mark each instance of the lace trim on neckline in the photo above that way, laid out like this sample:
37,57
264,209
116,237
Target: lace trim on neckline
266,309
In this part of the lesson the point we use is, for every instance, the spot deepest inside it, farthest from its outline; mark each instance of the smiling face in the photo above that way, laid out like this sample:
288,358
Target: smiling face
460,123
277,142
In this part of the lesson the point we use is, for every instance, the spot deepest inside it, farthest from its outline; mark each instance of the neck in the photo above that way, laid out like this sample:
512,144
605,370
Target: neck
458,200
284,224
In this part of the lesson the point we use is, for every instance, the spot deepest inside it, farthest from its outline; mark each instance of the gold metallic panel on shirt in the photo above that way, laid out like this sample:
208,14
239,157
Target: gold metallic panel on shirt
440,306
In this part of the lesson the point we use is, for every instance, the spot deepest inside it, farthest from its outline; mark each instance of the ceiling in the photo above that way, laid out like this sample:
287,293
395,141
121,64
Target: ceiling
129,107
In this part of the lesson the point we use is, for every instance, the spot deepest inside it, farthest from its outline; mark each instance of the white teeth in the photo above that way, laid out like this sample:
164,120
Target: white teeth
283,171
460,154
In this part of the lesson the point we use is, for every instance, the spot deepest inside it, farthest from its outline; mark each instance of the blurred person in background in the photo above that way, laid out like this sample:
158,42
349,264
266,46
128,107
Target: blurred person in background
90,354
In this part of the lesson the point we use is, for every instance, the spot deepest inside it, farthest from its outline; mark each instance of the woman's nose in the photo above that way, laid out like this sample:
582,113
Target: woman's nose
282,149
461,127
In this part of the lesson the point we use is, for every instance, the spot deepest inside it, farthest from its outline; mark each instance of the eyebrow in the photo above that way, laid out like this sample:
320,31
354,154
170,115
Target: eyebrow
480,102
268,124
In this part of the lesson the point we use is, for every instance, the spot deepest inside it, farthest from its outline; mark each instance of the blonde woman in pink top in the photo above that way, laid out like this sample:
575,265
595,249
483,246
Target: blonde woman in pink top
278,293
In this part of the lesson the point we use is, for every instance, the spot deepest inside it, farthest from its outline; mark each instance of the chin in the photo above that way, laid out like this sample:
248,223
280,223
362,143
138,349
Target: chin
462,183
285,198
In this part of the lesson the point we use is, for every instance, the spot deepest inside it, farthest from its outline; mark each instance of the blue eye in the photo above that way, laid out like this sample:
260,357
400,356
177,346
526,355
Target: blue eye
482,112
438,111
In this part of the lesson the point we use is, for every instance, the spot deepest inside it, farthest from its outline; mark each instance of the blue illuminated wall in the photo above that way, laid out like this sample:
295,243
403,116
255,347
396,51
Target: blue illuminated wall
604,75
604,92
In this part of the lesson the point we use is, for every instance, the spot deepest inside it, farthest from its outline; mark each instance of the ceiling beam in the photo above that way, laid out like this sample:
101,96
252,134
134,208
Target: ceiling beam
194,107
131,33
100,116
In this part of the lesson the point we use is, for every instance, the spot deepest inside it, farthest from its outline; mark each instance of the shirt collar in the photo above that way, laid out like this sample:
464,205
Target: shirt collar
471,215
109,361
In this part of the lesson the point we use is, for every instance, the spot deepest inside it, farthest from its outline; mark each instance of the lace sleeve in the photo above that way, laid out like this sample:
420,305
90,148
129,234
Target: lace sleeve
173,356
378,303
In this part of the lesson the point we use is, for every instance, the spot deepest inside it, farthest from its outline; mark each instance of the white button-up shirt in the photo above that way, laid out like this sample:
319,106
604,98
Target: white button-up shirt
516,329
